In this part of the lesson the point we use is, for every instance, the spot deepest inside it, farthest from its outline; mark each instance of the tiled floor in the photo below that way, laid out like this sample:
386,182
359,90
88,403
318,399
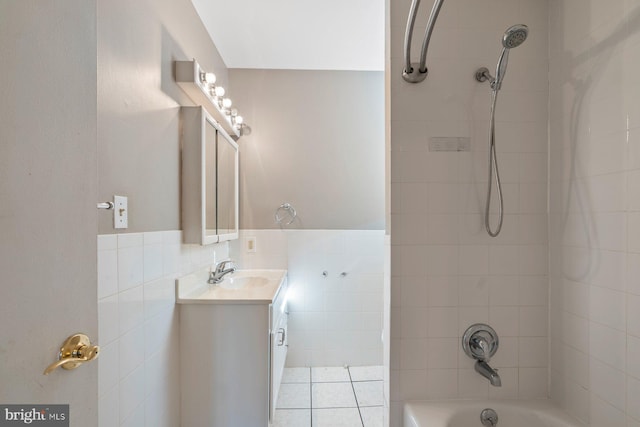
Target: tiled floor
330,397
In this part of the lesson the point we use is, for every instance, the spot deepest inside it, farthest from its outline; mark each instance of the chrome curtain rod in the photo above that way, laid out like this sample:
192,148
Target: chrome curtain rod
416,72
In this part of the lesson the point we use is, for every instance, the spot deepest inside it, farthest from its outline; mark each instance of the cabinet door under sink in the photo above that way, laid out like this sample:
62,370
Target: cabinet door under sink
279,344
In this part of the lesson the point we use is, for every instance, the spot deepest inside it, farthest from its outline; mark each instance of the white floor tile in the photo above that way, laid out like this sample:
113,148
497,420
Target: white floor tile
344,417
373,416
292,418
294,396
296,375
329,375
369,393
333,395
366,373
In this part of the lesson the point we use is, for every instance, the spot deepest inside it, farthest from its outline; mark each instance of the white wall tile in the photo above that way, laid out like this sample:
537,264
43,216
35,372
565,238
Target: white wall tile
443,291
607,345
107,272
153,260
442,322
131,360
633,397
504,260
158,295
473,290
443,353
602,413
503,290
608,383
533,321
533,352
108,408
633,357
532,383
130,266
442,383
137,418
108,319
505,320
108,372
608,307
138,313
131,393
130,309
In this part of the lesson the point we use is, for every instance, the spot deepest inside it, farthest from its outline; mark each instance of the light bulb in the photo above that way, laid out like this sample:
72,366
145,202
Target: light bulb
210,78
234,112
219,91
226,103
239,120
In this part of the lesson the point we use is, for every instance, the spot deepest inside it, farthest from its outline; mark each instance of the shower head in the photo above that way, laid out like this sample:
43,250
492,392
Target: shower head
515,36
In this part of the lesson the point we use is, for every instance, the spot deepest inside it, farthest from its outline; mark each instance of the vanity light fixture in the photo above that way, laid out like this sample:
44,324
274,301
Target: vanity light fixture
201,87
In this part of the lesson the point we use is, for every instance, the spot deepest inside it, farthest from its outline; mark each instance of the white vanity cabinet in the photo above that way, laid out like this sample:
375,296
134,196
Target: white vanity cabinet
232,355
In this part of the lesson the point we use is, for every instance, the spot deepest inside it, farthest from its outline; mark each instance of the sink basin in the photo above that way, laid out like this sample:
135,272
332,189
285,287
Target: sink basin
245,282
242,287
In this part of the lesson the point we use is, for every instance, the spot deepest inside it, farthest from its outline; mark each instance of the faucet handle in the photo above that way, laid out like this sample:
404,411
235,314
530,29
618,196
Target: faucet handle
223,264
480,346
480,342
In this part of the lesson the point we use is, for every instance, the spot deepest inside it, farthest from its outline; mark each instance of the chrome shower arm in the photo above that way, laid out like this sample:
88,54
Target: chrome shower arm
417,72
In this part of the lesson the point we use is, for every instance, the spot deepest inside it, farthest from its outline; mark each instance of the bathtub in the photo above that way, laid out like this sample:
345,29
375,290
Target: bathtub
466,413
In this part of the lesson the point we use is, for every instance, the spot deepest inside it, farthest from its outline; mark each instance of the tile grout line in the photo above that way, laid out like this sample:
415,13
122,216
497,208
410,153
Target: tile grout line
355,396
310,399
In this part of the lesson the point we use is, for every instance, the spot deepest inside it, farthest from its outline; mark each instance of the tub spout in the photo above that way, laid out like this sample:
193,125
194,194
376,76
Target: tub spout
488,372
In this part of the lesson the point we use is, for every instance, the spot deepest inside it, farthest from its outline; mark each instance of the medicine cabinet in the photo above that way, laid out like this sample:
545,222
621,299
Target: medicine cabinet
209,179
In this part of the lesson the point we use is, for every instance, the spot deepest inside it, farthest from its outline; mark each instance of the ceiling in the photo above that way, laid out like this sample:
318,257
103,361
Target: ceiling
297,34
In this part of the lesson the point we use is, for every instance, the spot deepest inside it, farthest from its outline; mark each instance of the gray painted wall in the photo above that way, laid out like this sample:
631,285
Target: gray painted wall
47,200
138,105
317,142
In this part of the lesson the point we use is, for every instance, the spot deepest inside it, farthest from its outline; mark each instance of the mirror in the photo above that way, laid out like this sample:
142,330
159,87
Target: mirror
210,194
210,182
227,187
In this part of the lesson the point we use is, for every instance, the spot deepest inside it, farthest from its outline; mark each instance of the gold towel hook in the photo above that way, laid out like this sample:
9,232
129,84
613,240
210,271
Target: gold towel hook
75,351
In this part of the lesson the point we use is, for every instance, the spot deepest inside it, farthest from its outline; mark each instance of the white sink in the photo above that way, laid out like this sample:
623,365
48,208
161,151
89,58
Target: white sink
241,287
243,282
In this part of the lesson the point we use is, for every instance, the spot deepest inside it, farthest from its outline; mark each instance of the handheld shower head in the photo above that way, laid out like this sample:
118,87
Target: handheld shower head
513,37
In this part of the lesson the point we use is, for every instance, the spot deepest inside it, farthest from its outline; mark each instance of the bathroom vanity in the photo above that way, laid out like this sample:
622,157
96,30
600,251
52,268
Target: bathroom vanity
233,346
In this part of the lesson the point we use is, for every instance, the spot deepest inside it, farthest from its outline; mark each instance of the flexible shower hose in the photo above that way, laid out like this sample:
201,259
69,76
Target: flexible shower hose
493,170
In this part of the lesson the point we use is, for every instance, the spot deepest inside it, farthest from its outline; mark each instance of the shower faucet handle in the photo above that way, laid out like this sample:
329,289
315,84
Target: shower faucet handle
480,342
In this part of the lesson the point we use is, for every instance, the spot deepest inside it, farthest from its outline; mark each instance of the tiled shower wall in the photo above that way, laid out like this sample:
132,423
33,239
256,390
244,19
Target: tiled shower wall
138,367
446,272
334,320
595,210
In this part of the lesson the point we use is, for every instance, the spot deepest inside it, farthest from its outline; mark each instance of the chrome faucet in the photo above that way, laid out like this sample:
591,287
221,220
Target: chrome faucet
221,270
480,342
488,372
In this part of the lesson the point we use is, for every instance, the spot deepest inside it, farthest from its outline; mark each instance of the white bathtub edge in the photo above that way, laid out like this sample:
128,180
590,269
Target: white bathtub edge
439,412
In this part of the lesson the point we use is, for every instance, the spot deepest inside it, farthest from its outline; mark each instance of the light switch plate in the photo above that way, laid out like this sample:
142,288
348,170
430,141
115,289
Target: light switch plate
120,212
